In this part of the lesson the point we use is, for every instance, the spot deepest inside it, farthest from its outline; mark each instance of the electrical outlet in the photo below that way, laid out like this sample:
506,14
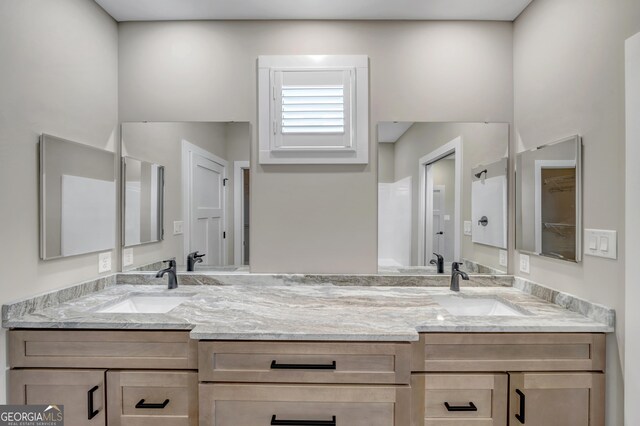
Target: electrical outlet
177,227
601,243
524,263
104,262
504,259
467,227
127,257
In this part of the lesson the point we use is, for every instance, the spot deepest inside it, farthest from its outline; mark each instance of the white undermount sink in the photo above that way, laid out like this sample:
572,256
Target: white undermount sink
476,306
145,304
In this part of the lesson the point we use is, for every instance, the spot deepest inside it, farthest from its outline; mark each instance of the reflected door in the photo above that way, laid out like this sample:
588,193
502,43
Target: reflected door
438,219
207,209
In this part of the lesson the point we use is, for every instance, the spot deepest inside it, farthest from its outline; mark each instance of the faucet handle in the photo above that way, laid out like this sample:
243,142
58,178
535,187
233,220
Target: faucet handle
455,266
171,262
198,256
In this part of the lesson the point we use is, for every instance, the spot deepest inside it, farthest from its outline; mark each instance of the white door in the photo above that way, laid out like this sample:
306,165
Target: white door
207,209
438,220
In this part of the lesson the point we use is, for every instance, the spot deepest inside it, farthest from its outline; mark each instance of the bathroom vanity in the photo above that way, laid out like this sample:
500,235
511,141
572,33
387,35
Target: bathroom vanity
317,355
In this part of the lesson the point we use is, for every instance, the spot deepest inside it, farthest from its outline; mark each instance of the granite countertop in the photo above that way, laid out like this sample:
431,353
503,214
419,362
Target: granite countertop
313,312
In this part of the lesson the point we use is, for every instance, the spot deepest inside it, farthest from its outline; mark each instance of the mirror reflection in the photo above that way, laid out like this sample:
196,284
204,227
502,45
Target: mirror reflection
442,197
548,207
206,191
142,201
78,198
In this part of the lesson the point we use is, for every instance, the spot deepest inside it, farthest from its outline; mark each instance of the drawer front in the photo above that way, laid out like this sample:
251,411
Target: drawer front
152,398
460,399
444,352
339,405
102,349
274,362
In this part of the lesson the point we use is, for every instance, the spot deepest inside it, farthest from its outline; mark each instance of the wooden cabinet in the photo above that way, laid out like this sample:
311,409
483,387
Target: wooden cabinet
556,399
82,392
152,398
329,405
459,399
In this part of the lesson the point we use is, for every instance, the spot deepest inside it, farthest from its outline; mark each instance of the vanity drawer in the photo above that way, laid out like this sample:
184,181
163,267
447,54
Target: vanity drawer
444,352
293,362
459,399
102,349
262,404
152,398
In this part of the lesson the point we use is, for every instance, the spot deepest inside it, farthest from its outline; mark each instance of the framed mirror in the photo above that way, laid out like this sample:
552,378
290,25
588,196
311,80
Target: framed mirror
549,200
205,166
442,195
77,198
142,202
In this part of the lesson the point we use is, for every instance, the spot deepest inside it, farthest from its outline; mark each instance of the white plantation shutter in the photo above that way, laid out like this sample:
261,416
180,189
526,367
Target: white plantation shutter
313,109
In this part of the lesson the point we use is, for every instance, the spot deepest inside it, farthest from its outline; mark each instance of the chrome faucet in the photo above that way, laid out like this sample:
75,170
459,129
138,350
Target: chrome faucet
456,273
192,259
171,270
439,261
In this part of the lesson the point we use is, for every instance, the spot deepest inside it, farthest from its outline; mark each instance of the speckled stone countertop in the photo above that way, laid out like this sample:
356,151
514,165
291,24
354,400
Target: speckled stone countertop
314,312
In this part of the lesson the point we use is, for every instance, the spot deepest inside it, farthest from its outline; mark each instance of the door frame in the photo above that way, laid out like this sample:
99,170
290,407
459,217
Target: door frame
443,191
238,209
425,196
187,150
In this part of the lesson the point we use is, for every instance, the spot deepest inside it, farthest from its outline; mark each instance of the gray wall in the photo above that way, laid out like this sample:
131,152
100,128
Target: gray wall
386,160
481,144
161,143
569,78
316,218
59,76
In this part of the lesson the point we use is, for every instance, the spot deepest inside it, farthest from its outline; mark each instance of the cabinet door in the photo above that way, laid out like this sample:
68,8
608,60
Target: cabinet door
556,399
80,391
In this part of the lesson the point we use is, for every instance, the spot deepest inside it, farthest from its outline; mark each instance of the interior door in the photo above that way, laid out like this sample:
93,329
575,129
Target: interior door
438,220
81,392
207,209
556,399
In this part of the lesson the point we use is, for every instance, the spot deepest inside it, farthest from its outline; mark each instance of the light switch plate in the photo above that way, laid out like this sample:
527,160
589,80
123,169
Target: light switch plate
601,243
524,263
177,227
127,257
467,227
104,262
504,259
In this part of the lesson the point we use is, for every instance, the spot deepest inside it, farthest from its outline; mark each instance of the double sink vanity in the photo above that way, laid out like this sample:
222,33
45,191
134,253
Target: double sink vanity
314,350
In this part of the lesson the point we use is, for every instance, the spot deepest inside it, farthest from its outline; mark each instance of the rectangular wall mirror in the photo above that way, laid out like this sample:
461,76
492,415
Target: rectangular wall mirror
77,198
143,202
442,191
549,200
206,192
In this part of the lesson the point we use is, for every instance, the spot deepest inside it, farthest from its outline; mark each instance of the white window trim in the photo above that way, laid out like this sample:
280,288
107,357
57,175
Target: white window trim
359,154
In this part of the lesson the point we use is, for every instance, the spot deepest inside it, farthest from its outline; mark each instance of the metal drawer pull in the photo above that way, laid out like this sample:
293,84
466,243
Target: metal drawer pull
470,407
142,404
275,421
91,413
520,415
276,366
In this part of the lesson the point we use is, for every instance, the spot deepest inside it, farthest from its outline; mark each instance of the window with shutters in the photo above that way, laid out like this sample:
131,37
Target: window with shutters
313,109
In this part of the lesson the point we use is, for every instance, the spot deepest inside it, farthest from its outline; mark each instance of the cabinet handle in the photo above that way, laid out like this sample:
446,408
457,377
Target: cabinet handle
275,421
142,404
520,416
91,413
276,366
470,407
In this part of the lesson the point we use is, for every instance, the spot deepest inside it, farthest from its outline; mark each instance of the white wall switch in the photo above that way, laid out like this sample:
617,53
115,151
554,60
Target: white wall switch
601,243
524,263
504,258
127,257
177,227
104,262
467,227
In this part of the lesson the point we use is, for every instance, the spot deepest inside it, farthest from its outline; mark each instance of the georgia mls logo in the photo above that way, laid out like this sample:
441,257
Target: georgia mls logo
31,415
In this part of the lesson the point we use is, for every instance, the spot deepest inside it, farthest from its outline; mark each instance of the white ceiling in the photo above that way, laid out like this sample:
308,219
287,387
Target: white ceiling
163,10
390,132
